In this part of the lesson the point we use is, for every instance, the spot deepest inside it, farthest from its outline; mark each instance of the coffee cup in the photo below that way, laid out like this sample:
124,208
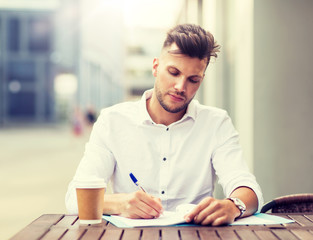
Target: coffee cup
90,197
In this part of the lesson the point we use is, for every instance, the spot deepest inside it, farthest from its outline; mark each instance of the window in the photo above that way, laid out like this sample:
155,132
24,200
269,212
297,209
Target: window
22,104
22,71
13,34
39,35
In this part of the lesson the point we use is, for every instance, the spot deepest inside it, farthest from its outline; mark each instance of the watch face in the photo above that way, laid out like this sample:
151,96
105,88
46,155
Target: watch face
240,204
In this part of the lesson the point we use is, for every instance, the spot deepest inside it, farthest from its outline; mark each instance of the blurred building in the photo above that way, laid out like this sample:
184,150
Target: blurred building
59,55
143,45
102,52
26,69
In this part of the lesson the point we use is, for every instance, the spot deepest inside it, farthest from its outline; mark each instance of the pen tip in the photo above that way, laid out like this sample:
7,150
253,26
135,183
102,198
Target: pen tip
133,177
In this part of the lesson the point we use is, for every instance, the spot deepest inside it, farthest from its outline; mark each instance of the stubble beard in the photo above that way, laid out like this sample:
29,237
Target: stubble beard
160,96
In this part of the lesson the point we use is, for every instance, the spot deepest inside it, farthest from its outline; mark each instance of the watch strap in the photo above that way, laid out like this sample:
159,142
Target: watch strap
239,204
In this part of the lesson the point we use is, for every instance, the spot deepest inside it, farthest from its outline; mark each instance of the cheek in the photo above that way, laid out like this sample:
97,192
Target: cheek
165,79
192,90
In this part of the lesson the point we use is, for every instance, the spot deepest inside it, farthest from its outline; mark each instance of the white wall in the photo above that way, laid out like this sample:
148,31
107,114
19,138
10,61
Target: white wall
263,77
229,81
283,96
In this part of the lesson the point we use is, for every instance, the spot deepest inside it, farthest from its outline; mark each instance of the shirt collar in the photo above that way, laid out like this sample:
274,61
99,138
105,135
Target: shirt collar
145,118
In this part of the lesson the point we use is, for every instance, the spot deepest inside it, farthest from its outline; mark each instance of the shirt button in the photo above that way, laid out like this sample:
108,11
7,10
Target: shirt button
162,192
167,129
164,159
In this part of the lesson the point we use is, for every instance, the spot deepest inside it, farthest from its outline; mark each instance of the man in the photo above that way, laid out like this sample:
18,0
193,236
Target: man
171,143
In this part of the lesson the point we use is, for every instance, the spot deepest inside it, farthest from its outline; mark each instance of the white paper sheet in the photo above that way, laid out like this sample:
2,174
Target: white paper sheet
174,218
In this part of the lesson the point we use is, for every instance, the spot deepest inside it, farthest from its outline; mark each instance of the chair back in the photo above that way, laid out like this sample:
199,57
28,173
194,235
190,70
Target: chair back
296,203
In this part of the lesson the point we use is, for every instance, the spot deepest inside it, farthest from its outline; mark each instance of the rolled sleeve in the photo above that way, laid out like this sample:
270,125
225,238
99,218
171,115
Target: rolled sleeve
229,164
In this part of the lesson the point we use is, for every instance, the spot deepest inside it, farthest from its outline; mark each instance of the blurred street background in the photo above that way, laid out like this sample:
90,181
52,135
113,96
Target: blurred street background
37,164
62,61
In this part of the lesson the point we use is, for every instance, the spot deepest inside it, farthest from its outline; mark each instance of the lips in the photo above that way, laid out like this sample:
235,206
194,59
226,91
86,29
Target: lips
176,98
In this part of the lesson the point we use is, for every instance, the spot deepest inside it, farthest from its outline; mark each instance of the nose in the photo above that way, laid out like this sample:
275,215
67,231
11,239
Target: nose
180,85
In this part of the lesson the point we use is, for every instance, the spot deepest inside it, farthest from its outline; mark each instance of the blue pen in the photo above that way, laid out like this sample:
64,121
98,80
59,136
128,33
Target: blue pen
134,179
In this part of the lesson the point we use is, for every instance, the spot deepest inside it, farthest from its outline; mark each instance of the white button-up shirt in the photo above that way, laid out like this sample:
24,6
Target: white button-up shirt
177,163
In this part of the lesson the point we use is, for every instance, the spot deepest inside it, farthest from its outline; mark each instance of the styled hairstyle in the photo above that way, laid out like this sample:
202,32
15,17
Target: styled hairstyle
193,41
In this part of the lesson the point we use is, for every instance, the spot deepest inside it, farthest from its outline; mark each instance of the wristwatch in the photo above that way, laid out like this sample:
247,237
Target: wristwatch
239,204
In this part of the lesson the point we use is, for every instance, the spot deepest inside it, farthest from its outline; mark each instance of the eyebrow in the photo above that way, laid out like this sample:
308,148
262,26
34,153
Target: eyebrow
171,66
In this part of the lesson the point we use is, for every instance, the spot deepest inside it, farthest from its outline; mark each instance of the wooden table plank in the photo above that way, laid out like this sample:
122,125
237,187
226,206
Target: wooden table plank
59,226
93,233
132,234
38,227
76,224
302,220
288,225
208,234
54,233
32,232
186,234
227,234
284,234
247,234
112,234
150,234
310,220
302,234
67,221
73,234
265,235
309,216
170,234
48,219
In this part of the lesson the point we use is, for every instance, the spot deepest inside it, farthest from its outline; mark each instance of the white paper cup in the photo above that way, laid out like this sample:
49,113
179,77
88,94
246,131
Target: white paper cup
90,194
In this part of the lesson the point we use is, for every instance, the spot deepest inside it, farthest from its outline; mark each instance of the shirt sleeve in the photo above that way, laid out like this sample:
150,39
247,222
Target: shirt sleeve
229,164
98,161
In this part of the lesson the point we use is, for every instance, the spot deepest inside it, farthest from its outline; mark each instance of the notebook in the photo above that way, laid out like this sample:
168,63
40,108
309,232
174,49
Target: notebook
173,218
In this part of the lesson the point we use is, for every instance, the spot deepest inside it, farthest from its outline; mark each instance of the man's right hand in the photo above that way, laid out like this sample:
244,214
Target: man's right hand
133,205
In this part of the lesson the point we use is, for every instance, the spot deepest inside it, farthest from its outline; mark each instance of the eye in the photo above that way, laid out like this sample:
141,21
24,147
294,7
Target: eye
173,72
193,80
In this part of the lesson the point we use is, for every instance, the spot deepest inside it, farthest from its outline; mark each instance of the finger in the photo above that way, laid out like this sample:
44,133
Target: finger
153,203
137,213
220,221
207,221
138,209
214,219
146,212
204,214
157,199
149,205
211,212
193,215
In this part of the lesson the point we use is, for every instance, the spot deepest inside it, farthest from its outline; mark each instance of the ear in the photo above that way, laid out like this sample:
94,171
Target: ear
155,66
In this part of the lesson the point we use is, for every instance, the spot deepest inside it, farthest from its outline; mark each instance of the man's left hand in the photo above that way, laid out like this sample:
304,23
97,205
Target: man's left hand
211,211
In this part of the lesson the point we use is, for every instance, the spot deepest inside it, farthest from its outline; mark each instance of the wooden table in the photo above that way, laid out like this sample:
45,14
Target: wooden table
59,226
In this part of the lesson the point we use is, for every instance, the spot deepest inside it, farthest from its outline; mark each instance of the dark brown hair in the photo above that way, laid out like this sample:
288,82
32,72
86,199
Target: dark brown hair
193,41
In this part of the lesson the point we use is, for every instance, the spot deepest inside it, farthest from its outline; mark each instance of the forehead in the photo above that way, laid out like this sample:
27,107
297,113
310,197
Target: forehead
172,57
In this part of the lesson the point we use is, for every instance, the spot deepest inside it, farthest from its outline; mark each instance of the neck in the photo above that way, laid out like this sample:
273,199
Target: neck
159,115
